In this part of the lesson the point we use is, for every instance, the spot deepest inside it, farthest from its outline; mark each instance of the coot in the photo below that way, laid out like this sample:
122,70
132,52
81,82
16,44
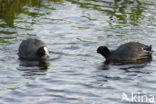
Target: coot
33,49
129,52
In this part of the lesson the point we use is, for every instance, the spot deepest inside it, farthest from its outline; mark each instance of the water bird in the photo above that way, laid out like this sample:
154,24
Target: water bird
33,49
128,52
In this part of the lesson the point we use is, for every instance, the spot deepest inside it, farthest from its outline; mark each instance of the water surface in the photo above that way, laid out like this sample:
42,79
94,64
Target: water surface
72,30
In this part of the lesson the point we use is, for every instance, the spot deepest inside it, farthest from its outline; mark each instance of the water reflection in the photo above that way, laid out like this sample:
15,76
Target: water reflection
9,12
31,68
126,66
126,11
119,73
10,9
119,11
6,12
136,68
40,64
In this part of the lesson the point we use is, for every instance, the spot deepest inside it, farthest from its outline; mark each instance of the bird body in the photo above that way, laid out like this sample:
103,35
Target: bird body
131,52
33,49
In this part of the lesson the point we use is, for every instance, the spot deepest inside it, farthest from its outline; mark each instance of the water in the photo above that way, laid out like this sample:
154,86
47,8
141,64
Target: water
72,30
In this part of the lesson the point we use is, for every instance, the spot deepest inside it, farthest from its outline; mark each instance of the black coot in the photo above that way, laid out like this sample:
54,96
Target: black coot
33,49
129,52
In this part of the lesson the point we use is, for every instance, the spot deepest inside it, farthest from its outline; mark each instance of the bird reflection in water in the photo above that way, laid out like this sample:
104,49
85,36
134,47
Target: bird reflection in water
127,66
33,68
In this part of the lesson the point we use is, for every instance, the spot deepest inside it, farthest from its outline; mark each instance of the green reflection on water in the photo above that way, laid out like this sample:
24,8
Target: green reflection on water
10,9
6,39
119,11
125,11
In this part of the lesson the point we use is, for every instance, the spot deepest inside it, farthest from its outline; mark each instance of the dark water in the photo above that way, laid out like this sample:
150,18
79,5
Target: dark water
72,30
